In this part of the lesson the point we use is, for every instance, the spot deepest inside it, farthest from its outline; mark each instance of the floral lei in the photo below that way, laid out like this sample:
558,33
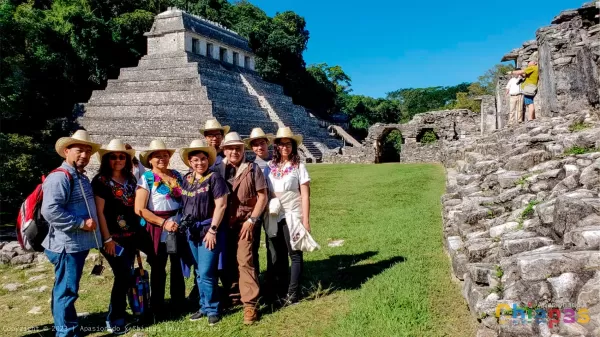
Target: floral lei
171,189
280,172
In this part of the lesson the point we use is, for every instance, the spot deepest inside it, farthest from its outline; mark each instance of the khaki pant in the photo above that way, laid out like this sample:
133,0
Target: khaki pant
241,274
516,109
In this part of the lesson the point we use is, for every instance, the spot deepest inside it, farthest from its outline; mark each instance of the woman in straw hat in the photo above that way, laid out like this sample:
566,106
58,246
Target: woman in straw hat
114,189
157,201
204,203
289,182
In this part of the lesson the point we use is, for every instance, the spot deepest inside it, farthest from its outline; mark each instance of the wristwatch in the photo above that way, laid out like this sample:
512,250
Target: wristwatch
214,228
253,219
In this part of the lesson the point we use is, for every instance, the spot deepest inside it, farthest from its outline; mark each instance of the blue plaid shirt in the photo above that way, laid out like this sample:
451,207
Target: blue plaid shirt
64,208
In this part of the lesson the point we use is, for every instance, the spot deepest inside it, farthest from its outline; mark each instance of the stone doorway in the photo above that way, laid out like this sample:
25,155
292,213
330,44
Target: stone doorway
389,146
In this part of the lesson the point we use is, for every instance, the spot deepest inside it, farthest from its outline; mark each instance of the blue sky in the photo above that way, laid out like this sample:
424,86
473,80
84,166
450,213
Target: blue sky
384,45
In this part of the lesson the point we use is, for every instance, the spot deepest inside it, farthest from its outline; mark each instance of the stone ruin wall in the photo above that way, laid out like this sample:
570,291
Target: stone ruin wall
569,60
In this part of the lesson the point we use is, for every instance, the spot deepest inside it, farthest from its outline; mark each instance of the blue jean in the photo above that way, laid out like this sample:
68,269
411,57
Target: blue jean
528,100
68,268
205,269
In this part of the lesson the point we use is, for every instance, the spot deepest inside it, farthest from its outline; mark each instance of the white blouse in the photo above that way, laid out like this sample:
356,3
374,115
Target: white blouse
287,178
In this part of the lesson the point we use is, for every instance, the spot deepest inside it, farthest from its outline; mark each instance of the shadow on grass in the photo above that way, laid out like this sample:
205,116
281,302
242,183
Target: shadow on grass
345,272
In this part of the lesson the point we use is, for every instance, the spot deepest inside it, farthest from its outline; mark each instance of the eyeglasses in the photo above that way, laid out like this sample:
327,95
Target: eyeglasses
117,157
213,135
288,144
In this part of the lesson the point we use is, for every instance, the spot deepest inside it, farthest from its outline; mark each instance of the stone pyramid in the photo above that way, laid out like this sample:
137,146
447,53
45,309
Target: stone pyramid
195,70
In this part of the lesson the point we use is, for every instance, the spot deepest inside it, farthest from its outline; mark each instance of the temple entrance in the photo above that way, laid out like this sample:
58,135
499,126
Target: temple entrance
390,146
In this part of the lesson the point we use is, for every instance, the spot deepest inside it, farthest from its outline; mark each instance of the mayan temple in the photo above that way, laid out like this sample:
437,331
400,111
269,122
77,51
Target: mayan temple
195,70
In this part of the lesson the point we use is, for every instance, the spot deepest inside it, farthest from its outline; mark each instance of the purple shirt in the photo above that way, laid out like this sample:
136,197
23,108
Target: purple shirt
199,194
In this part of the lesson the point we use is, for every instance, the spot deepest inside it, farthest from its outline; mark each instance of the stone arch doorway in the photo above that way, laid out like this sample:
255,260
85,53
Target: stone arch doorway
389,145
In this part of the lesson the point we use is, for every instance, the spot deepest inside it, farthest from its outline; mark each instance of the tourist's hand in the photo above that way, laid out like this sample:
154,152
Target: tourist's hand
89,225
246,232
109,248
171,226
306,225
210,239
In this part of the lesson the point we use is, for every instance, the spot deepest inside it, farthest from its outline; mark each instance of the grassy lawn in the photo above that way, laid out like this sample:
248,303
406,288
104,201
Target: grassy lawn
389,278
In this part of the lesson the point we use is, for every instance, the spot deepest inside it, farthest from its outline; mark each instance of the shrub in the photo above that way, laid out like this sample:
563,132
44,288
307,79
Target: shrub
428,137
578,126
580,150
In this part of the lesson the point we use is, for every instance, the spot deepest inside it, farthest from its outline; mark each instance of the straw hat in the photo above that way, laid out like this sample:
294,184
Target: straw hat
115,145
286,132
198,145
232,139
79,137
213,124
258,133
155,145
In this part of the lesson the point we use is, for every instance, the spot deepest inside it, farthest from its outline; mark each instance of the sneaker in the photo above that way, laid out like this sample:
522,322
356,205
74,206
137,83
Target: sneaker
214,319
196,316
288,300
250,315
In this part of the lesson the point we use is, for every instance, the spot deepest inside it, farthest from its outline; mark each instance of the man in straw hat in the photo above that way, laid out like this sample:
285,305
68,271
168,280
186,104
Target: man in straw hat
73,226
214,133
245,205
259,142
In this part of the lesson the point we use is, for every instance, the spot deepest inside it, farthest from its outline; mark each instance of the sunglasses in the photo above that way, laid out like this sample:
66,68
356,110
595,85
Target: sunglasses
117,157
284,144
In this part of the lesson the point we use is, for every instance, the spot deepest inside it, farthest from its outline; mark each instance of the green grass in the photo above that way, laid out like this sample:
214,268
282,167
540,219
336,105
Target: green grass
580,150
390,277
578,126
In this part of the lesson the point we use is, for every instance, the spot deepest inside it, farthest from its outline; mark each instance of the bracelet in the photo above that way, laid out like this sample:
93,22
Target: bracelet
162,225
212,232
108,240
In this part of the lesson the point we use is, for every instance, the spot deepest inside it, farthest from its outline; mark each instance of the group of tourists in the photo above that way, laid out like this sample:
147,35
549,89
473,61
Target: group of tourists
210,218
522,88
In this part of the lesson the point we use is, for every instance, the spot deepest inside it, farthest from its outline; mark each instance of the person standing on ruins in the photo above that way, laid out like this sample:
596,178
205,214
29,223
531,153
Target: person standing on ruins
529,86
245,205
513,91
69,208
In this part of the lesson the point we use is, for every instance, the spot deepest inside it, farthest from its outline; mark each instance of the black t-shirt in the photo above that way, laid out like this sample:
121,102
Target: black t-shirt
119,200
199,194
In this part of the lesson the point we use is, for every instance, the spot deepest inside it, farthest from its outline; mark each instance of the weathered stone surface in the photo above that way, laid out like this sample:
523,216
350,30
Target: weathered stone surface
512,247
480,272
501,229
22,259
541,266
11,286
569,211
564,287
589,295
526,160
509,179
590,177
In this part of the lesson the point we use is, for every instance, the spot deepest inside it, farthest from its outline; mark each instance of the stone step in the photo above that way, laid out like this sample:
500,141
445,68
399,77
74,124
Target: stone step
263,87
236,111
141,141
149,111
232,98
236,88
165,62
164,55
136,126
245,126
218,73
161,97
141,74
154,86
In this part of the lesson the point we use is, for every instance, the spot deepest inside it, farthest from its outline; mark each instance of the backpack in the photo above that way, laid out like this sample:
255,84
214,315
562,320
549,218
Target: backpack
138,293
32,228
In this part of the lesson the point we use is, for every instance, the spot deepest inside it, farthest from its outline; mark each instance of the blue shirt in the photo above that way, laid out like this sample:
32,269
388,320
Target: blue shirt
65,210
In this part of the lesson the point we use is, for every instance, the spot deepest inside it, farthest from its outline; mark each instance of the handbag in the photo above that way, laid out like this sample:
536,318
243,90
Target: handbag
529,89
139,290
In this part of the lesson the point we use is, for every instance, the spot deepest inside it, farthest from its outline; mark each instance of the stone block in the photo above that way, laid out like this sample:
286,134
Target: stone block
569,211
526,160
